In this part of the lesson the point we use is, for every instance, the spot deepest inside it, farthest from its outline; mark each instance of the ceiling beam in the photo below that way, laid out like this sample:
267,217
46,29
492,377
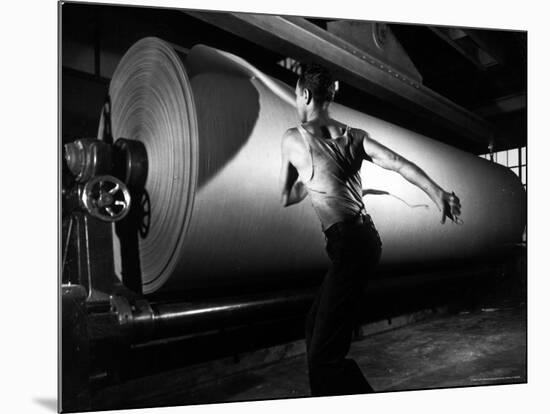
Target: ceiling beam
302,40
493,42
459,41
503,105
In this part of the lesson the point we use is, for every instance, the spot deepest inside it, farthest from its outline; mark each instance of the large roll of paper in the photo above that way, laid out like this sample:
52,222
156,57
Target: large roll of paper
212,127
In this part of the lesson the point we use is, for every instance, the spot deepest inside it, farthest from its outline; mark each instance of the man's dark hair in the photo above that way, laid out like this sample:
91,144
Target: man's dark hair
319,81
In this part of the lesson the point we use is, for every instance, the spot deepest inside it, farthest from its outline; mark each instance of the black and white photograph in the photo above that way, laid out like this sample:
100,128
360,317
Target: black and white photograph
259,207
237,207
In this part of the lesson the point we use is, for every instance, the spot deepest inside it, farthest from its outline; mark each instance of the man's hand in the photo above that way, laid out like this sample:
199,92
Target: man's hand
449,205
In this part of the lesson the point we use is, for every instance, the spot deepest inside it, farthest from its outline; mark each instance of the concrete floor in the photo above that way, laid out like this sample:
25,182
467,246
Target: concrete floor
463,350
482,347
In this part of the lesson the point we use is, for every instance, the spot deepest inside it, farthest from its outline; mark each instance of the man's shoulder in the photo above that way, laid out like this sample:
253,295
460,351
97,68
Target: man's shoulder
358,135
291,135
290,132
358,132
293,143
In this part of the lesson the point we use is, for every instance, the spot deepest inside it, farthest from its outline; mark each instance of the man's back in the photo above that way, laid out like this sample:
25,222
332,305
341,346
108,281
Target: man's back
328,158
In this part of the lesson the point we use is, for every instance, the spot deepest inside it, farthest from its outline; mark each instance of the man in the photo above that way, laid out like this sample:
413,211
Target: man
322,157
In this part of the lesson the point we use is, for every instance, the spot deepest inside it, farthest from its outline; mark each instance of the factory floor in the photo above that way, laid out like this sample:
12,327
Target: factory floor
481,346
477,348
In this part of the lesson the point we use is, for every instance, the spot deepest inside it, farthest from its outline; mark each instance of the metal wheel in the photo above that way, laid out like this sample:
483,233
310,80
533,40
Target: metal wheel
106,198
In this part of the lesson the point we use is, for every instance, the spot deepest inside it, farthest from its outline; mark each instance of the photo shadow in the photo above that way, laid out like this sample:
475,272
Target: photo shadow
47,402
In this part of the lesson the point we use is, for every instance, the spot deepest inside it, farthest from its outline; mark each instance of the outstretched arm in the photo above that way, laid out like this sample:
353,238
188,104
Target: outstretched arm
292,190
448,203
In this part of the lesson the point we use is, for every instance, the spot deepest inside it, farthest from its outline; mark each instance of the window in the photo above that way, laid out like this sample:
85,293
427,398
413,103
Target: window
515,159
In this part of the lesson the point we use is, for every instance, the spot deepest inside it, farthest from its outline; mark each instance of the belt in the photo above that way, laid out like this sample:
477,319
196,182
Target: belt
358,220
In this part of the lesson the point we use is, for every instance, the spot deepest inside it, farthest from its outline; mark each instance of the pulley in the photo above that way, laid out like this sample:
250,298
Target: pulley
106,197
87,158
107,175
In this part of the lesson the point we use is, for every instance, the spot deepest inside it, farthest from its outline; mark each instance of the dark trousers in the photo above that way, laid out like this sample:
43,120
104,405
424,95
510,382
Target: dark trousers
354,249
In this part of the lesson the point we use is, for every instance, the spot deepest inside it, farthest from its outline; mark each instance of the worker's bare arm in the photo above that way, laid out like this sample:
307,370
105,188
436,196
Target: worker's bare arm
292,190
448,203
